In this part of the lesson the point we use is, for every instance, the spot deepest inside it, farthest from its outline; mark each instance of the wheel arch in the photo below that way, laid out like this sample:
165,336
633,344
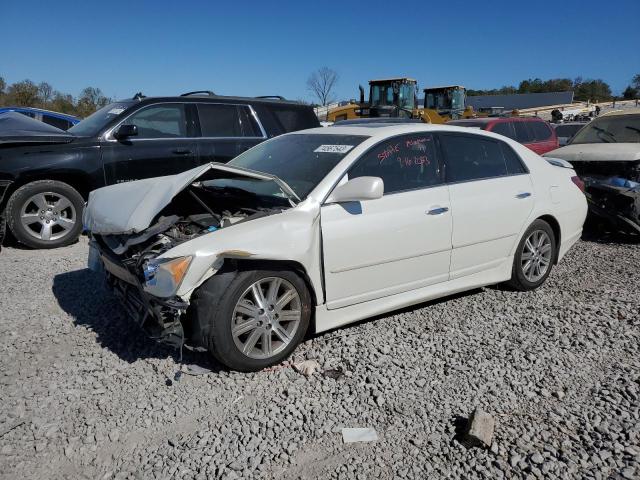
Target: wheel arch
78,180
557,232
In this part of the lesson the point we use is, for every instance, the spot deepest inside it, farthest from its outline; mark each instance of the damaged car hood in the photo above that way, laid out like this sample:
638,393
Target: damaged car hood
131,207
585,152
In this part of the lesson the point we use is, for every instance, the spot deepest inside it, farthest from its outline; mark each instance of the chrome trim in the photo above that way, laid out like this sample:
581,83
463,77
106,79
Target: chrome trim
108,135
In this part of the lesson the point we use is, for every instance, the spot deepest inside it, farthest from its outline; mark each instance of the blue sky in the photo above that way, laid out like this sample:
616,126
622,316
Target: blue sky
256,48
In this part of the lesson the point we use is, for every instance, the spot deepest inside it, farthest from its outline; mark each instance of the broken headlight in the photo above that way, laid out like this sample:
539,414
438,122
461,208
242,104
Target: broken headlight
163,276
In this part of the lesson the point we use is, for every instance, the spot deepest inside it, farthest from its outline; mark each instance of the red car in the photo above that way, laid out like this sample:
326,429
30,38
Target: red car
532,132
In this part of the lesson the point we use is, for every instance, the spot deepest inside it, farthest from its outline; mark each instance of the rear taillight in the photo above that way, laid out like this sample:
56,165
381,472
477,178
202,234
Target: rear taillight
578,182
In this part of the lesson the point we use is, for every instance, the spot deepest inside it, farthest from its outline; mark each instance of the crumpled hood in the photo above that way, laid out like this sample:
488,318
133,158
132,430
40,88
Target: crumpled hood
131,207
585,152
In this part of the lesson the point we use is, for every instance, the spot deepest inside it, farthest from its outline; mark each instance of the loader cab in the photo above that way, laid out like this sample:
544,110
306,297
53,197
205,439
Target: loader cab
449,100
395,97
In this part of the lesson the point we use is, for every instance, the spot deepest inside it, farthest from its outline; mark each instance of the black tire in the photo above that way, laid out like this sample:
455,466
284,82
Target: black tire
212,307
518,280
60,236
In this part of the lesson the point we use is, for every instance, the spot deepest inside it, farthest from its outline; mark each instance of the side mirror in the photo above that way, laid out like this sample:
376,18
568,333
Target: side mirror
357,190
125,131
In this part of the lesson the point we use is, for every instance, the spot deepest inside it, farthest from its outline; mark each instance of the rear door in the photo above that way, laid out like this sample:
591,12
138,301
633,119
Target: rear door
394,244
491,199
219,132
544,137
163,145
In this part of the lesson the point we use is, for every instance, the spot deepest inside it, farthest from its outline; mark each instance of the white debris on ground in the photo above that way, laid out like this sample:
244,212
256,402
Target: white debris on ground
86,395
359,434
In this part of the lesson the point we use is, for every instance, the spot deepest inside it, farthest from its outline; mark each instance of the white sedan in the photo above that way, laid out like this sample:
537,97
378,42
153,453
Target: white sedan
323,227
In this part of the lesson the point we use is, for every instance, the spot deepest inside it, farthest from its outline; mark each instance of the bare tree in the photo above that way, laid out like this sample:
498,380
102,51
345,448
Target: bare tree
45,91
321,84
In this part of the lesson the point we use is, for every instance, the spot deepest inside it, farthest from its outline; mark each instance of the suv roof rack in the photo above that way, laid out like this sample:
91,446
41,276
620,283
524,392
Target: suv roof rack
279,97
199,92
139,96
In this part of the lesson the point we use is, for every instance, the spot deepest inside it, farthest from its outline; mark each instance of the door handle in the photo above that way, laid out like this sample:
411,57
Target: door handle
182,151
523,195
437,211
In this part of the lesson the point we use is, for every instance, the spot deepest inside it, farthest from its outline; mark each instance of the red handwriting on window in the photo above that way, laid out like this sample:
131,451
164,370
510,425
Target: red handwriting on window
416,141
387,152
416,160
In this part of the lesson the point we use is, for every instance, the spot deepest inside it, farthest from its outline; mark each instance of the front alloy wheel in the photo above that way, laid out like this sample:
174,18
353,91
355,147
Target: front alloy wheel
266,318
48,216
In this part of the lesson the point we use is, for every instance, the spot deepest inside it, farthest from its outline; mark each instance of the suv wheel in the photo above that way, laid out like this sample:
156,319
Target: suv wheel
45,214
257,321
534,257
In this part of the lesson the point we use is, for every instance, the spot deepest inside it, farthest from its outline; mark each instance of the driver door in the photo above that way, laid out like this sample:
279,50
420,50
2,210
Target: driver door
162,146
396,243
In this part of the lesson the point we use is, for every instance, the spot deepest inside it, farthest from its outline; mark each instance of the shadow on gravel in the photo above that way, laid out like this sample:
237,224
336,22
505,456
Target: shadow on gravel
600,234
83,295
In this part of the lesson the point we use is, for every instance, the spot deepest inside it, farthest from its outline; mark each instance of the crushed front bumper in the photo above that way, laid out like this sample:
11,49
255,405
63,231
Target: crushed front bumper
618,206
160,318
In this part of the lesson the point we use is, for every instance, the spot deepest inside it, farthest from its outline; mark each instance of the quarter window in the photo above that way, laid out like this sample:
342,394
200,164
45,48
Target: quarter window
160,121
219,120
471,158
404,163
248,123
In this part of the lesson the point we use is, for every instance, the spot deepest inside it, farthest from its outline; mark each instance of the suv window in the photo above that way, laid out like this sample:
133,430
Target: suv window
160,121
540,130
248,122
406,162
219,120
472,158
523,134
504,128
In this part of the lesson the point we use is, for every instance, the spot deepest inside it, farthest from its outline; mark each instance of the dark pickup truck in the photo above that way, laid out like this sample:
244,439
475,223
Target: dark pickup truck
46,174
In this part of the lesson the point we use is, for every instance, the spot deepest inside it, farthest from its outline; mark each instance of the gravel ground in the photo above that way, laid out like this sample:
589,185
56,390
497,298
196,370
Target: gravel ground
88,396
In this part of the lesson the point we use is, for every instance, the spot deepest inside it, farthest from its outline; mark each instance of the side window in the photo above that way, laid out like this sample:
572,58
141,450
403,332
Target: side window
541,131
248,124
160,121
404,163
472,158
513,161
504,128
219,120
523,134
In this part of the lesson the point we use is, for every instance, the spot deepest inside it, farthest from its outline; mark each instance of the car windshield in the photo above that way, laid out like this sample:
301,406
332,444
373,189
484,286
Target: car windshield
610,129
300,160
95,122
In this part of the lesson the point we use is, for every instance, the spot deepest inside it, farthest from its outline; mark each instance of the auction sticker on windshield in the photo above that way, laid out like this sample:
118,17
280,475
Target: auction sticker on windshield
115,111
333,148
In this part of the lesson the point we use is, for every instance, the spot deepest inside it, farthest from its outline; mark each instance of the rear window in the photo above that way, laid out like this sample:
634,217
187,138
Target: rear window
481,125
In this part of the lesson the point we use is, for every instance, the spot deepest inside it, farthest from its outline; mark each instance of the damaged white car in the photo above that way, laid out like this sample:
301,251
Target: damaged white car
606,155
320,228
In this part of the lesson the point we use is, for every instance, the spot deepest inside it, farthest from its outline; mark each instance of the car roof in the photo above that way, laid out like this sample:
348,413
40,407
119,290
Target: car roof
216,99
385,130
497,119
63,116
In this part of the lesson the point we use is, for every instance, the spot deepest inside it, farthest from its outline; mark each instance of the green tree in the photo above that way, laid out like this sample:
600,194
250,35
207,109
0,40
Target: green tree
23,93
90,100
62,103
3,86
593,90
629,93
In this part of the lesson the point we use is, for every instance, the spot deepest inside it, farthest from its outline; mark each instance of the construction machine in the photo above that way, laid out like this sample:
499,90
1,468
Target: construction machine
398,97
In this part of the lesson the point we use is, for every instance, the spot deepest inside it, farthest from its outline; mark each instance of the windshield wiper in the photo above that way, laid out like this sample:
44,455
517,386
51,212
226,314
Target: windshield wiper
606,132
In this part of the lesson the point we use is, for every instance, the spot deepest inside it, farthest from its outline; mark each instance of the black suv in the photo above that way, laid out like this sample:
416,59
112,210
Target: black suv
45,178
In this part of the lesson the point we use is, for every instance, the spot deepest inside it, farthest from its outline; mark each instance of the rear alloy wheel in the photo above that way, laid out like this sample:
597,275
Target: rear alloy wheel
534,257
254,321
45,214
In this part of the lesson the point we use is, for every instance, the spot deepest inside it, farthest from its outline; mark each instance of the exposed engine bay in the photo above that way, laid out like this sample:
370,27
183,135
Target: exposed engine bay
130,259
613,192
